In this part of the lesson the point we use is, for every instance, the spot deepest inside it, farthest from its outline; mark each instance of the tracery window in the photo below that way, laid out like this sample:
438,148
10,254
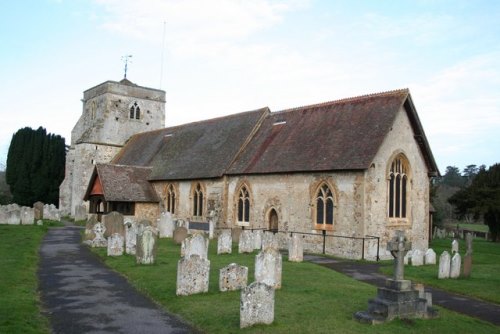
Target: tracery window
398,186
198,201
324,203
244,205
135,111
170,198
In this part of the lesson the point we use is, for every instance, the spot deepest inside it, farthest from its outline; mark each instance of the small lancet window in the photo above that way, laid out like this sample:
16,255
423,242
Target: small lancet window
324,207
244,205
198,201
398,185
170,199
135,111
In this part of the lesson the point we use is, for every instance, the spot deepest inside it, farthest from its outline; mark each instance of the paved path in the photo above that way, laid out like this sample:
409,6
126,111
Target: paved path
369,273
81,295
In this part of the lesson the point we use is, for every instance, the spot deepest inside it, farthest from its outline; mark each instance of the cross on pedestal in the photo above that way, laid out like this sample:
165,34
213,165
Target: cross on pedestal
398,247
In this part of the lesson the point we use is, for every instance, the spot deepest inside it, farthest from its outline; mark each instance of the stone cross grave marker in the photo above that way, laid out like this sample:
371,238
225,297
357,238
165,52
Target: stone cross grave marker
99,240
224,242
398,247
233,277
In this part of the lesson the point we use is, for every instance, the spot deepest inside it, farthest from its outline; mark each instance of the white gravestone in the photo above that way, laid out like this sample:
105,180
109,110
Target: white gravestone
233,277
268,266
13,216
130,237
417,258
27,216
407,257
444,265
99,239
192,275
115,245
224,242
430,256
456,263
269,240
257,239
196,244
256,305
295,249
166,225
454,246
246,243
145,248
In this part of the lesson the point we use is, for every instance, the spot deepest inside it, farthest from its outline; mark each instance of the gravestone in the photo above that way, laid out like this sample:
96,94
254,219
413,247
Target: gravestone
454,246
114,224
99,239
130,237
39,222
224,242
27,216
233,277
269,240
13,216
246,243
257,239
444,265
166,225
38,208
211,227
145,248
417,258
295,249
89,234
192,275
468,255
180,233
268,266
196,244
430,256
456,262
80,212
235,234
256,305
115,245
51,212
407,257
3,214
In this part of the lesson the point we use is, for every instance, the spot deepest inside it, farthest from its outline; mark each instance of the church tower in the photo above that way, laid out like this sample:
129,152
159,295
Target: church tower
112,113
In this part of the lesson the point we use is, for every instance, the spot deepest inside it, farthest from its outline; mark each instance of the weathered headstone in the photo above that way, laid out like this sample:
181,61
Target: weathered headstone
89,234
456,263
268,266
454,246
211,227
80,212
430,256
407,257
99,239
256,305
444,265
235,234
295,249
38,208
468,255
130,237
115,245
145,248
196,244
13,216
51,212
417,258
192,275
180,233
224,242
233,277
114,224
27,216
257,239
166,225
269,240
246,243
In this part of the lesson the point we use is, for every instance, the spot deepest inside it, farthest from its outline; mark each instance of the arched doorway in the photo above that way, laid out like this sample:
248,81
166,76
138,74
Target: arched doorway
273,221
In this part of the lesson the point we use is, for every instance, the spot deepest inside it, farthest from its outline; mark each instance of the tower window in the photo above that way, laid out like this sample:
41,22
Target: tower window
135,111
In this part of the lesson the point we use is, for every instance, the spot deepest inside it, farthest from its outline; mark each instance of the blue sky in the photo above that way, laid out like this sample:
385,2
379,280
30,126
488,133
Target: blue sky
226,56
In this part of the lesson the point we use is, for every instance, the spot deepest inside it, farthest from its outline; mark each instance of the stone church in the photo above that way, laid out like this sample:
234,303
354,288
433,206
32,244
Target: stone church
355,170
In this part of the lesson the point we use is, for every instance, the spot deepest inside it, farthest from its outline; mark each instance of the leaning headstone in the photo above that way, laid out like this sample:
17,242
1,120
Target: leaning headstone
27,216
115,245
38,208
444,265
114,224
196,244
256,305
180,233
233,277
456,262
430,256
269,240
192,275
295,249
145,248
99,239
224,242
454,246
130,237
417,258
166,225
257,239
268,266
80,212
246,243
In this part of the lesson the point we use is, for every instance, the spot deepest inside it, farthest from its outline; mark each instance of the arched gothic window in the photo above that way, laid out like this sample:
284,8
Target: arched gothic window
244,205
324,203
198,201
135,111
170,205
398,186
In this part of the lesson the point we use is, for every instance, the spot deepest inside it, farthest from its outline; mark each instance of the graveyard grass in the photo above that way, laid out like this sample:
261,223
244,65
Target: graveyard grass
312,299
484,282
19,299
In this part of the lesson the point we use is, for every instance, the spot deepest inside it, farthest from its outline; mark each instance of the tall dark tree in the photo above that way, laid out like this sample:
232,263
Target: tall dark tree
452,177
482,198
35,166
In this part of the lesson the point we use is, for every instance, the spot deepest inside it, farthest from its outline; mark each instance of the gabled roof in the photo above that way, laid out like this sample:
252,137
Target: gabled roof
192,151
123,183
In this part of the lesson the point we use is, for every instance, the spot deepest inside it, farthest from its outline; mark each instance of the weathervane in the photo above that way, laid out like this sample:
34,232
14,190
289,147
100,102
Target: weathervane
126,60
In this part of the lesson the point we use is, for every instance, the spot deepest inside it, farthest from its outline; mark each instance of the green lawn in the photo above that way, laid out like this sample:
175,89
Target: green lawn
312,299
19,300
471,227
484,282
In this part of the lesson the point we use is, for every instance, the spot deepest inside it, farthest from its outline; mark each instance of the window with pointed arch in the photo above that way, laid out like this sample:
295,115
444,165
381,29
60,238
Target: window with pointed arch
198,201
135,111
243,205
324,208
170,199
398,188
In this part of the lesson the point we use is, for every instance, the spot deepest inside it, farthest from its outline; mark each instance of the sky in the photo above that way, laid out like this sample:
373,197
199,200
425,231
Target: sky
221,57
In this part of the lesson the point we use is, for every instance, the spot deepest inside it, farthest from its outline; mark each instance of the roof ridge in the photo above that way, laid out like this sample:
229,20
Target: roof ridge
122,165
347,99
